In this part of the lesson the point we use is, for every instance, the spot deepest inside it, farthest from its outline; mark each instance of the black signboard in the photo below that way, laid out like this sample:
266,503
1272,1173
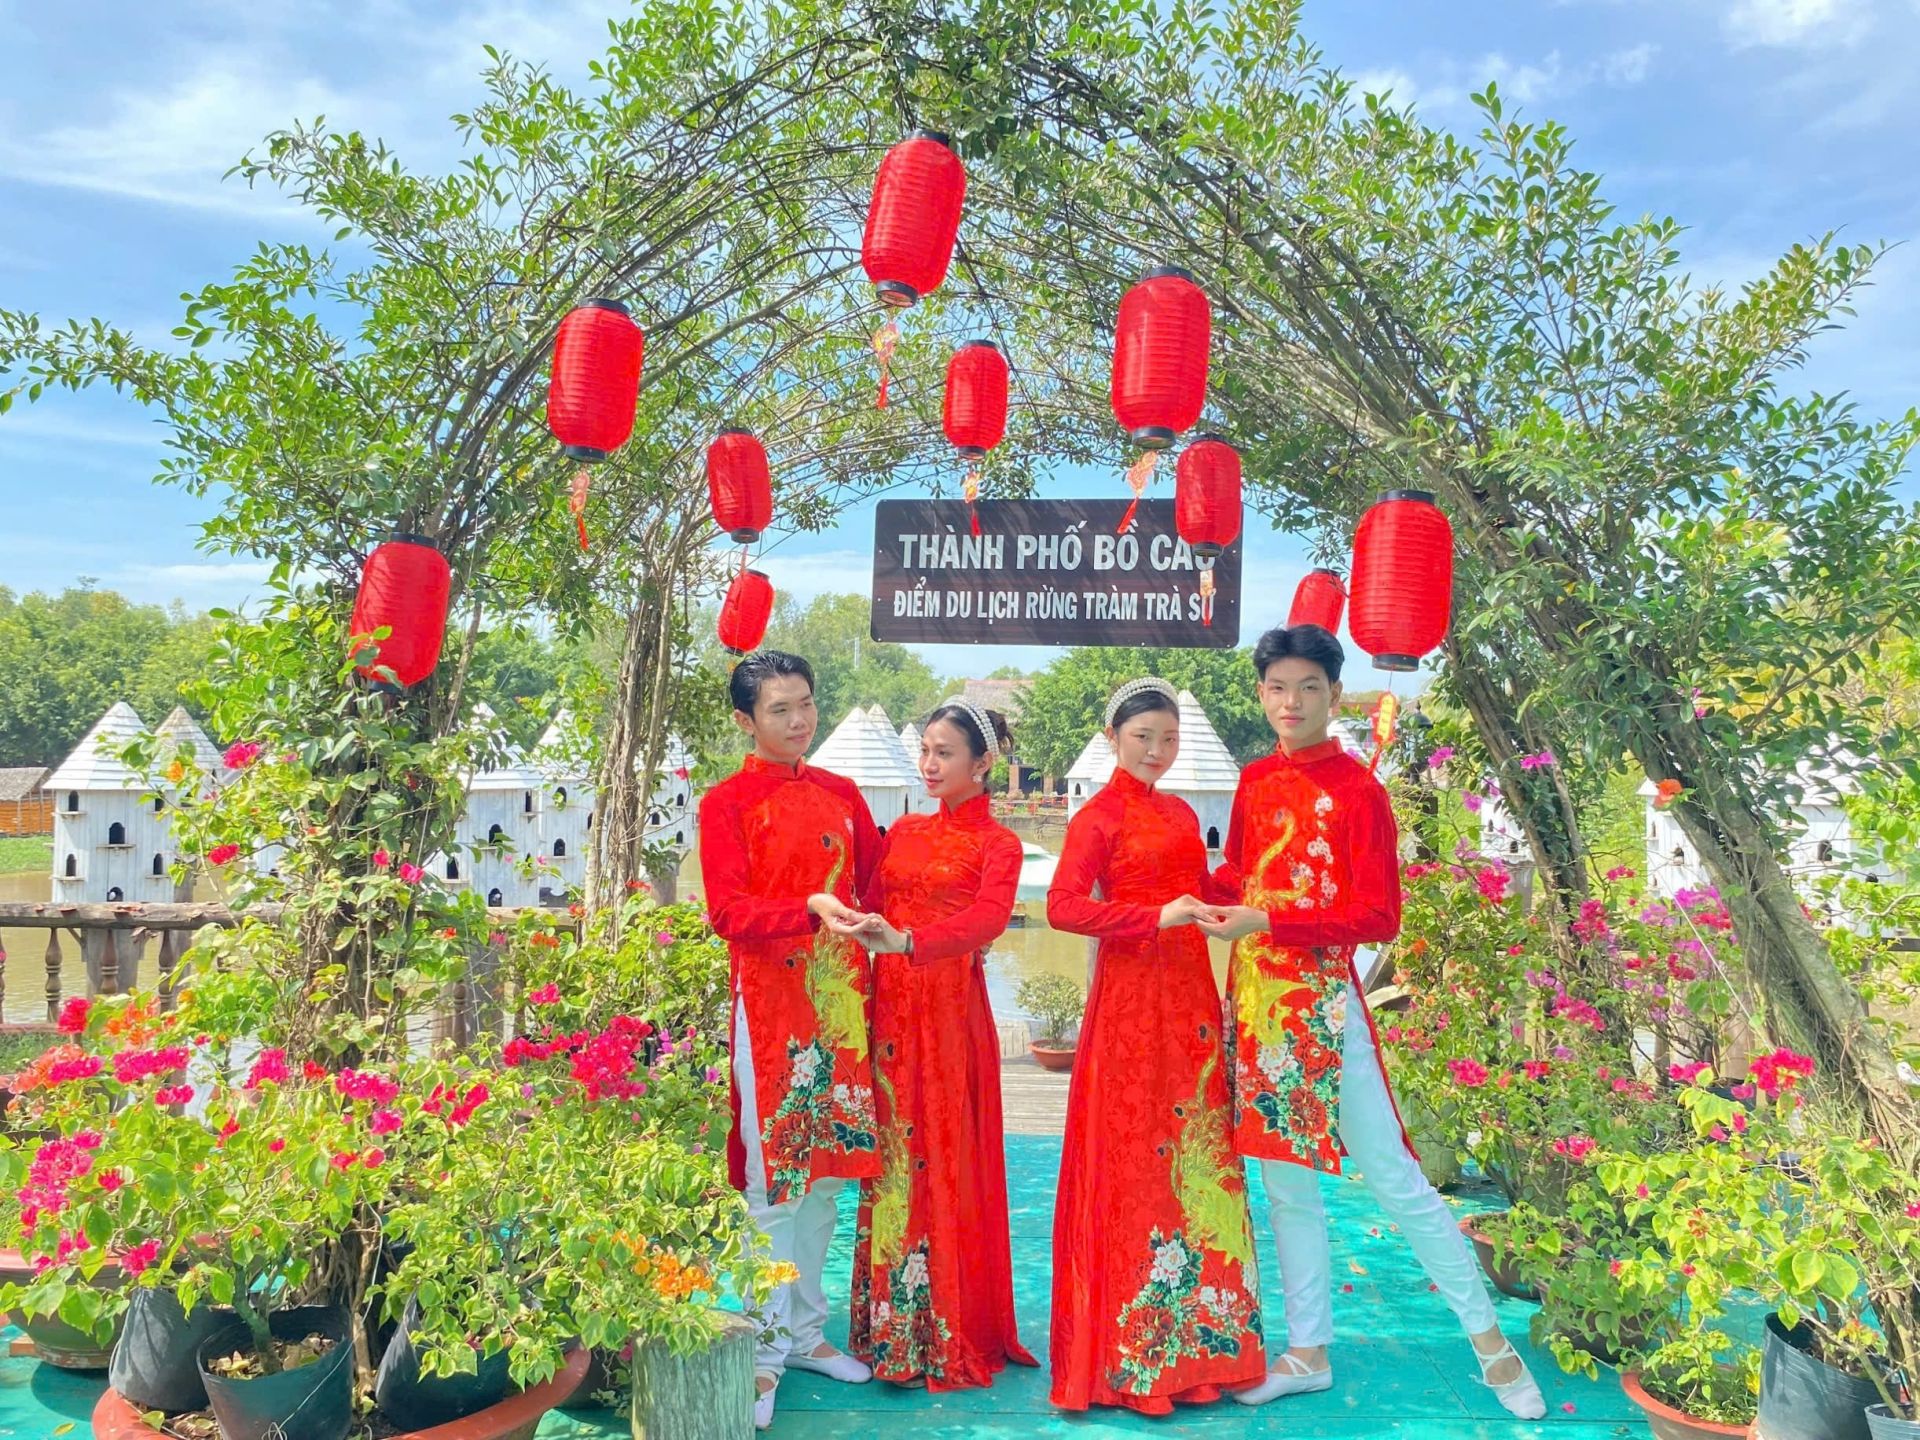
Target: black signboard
1045,572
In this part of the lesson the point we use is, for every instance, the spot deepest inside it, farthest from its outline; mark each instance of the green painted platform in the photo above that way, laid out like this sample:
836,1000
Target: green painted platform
1403,1370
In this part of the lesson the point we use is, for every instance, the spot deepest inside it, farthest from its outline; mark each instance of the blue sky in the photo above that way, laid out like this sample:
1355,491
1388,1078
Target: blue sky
1758,123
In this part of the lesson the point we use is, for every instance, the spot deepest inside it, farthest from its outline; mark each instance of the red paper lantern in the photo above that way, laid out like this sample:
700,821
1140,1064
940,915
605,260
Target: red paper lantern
403,588
596,380
1402,595
914,218
1206,496
1318,600
740,484
975,416
1160,345
745,612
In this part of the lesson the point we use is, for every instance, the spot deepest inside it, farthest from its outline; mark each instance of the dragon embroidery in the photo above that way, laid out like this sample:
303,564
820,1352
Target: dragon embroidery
838,1006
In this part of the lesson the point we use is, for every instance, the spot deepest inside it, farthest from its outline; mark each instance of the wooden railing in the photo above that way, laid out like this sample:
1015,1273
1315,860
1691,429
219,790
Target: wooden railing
111,938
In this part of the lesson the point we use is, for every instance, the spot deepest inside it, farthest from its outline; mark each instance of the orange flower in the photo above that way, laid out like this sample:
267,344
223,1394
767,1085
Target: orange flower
1419,946
1666,792
176,772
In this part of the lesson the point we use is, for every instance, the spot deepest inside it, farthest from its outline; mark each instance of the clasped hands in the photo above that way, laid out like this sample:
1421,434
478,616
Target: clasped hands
1222,922
871,931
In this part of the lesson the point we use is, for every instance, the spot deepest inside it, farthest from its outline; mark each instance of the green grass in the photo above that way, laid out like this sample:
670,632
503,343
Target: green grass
25,852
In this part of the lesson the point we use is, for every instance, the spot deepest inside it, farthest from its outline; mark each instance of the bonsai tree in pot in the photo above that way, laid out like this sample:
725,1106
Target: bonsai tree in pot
1056,1003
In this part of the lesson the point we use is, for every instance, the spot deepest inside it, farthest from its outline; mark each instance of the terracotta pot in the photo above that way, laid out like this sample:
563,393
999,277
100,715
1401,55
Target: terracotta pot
514,1418
1505,1275
1634,1337
1668,1423
1052,1057
55,1341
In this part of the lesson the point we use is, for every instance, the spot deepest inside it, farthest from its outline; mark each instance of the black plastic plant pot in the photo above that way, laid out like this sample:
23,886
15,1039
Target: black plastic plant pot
312,1402
1802,1398
156,1365
1883,1424
418,1402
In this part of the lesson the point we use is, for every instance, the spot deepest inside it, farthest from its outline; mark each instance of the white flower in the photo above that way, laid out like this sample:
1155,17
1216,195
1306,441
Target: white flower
1327,887
882,1312
805,1063
913,1272
1323,805
1277,1064
1169,1261
841,1095
1334,1008
1319,849
1209,1296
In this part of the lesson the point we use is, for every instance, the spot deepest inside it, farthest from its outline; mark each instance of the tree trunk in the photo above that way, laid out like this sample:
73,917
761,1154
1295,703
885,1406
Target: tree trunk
707,1395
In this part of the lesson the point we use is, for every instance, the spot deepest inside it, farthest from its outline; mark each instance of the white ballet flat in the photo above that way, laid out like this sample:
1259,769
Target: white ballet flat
837,1366
1521,1397
1294,1377
763,1400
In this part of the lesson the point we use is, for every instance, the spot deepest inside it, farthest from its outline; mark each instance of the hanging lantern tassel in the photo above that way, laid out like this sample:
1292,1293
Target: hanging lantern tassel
577,504
970,492
1206,593
1385,712
1139,476
884,339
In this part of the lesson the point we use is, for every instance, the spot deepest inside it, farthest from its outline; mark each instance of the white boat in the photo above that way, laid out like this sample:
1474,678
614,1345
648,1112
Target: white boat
1036,870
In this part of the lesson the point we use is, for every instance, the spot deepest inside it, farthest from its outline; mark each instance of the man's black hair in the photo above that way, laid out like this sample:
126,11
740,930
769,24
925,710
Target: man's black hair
1300,642
743,686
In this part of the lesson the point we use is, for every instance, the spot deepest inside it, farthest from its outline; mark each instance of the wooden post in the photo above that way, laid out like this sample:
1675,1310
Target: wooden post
109,981
707,1395
169,962
53,974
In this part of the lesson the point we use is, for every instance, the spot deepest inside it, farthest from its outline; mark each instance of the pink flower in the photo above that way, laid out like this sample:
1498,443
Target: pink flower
140,1257
172,1095
1440,757
223,854
384,1122
111,1180
240,756
1472,801
81,1067
366,1085
1642,1192
343,1160
1542,761
73,1015
269,1069
547,994
713,1076
1580,1012
663,937
411,873
1688,1073
1537,1069
1574,1147
1779,1071
1614,1267
1470,1073
1718,1132
1492,884
381,859
1913,1211
276,1145
374,1158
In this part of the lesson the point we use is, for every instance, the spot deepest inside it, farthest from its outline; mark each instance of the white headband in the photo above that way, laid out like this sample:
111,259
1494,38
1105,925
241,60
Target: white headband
980,720
1139,687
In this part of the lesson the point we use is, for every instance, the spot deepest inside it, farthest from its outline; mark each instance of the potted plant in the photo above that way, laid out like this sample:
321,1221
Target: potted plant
1055,1002
1594,1310
1689,1389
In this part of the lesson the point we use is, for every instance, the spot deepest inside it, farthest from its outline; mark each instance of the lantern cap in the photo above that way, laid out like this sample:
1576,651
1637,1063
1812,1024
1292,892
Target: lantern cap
743,537
1324,570
1152,437
970,452
601,302
1401,663
411,537
585,454
1161,272
993,345
1424,496
734,428
1216,435
897,293
939,137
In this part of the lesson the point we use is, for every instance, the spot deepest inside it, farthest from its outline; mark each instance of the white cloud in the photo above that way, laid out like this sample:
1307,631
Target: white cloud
1796,23
198,574
1393,82
1630,66
1447,93
39,427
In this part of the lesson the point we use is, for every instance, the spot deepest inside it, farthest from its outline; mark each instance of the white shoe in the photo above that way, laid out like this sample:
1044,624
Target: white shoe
763,1400
1521,1396
1294,1377
835,1365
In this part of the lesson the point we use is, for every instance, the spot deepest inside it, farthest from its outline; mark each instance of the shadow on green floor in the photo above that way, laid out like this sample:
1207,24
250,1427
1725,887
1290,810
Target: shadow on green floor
1403,1370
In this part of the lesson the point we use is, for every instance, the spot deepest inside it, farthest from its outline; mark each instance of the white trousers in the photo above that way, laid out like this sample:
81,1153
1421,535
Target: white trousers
799,1230
1371,1134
